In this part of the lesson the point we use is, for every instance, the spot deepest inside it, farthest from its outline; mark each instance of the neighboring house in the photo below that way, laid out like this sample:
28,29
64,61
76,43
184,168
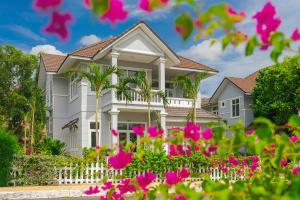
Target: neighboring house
72,119
233,98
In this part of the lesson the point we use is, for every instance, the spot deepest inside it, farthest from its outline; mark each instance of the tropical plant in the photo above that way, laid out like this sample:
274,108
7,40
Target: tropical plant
100,80
8,148
190,86
145,91
51,146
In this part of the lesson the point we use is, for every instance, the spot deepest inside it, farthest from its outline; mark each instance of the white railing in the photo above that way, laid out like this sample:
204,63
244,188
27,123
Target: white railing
136,98
95,173
180,102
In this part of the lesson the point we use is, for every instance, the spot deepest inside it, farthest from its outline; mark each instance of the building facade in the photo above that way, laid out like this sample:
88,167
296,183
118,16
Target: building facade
72,103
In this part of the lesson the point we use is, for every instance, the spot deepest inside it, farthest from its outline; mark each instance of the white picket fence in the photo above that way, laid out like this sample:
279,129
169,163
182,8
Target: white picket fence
95,173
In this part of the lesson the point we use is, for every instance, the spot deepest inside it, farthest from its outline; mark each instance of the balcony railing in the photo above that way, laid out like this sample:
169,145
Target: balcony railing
180,102
136,98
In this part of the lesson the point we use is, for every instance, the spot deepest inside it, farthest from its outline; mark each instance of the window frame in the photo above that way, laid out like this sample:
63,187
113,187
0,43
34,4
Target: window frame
236,110
90,130
73,83
128,130
221,104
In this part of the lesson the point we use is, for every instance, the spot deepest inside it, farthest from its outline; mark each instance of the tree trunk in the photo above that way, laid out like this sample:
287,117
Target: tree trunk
25,134
96,120
194,111
32,129
149,115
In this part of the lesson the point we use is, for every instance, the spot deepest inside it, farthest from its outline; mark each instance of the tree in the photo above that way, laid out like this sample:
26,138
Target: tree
277,91
190,86
145,91
99,81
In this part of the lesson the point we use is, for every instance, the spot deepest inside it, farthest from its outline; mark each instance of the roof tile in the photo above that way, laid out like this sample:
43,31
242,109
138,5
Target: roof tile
52,62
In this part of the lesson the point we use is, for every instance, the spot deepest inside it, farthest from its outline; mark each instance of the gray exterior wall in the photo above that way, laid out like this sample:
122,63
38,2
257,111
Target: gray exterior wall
229,93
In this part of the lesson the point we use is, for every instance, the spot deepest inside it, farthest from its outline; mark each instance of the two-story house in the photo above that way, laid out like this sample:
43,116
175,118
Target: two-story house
233,98
72,119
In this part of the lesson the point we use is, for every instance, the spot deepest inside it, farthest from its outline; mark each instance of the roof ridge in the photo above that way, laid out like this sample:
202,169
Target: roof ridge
94,44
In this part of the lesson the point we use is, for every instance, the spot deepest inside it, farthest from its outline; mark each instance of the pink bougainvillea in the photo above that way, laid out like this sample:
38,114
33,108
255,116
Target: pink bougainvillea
207,134
121,160
116,12
155,132
87,3
43,5
107,185
126,186
234,15
58,24
138,130
184,173
266,23
294,139
92,191
150,5
192,131
296,170
179,197
146,179
296,35
172,177
114,132
250,132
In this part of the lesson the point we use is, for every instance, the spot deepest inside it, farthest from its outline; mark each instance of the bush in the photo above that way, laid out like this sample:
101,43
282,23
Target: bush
40,169
8,148
50,146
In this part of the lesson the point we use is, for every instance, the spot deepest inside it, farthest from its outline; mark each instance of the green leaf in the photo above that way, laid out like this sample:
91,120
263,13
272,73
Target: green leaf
294,121
277,40
251,45
185,25
99,6
226,41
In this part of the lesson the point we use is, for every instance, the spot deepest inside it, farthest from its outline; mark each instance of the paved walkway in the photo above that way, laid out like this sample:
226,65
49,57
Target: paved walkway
39,192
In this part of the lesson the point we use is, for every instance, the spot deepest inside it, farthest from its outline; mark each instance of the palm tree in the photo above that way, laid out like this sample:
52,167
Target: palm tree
190,86
100,80
145,91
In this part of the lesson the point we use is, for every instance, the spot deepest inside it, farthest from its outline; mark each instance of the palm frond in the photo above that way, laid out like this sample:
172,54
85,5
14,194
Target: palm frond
163,97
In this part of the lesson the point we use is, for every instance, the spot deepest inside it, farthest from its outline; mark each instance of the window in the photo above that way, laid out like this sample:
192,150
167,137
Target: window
235,107
51,93
215,110
222,104
126,134
93,133
73,86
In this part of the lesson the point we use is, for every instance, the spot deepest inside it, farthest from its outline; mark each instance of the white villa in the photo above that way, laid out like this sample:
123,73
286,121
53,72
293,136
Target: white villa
72,103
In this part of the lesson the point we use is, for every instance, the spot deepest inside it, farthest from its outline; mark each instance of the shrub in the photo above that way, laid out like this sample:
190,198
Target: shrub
50,146
8,147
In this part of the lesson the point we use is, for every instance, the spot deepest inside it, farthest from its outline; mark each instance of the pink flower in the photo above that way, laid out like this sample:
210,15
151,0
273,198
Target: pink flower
212,148
115,196
126,186
207,134
154,132
192,131
45,4
254,159
253,167
172,177
294,139
87,3
266,23
233,161
92,191
116,11
235,16
121,160
184,173
97,147
114,132
296,35
58,25
145,180
283,162
176,150
207,153
149,5
296,170
197,23
250,132
138,130
224,169
107,185
179,197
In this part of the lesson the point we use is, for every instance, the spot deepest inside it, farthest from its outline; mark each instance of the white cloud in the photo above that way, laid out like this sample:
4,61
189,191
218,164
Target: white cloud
89,39
26,32
45,49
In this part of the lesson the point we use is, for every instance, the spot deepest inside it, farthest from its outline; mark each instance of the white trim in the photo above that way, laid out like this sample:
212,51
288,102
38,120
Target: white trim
192,70
72,98
80,58
221,102
239,98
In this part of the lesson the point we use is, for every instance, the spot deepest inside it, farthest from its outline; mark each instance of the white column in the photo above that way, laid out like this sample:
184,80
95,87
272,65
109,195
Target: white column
199,96
83,131
163,117
114,125
114,77
161,73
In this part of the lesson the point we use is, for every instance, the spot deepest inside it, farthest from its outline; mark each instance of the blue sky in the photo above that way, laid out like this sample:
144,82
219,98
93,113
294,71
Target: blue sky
21,26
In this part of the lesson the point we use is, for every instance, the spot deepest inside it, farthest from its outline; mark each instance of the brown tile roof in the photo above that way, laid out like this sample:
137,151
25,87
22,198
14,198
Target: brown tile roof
91,50
246,84
204,100
183,112
52,62
191,64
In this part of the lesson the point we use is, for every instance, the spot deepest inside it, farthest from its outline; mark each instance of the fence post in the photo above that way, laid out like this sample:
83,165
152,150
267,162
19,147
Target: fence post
86,173
71,176
76,176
